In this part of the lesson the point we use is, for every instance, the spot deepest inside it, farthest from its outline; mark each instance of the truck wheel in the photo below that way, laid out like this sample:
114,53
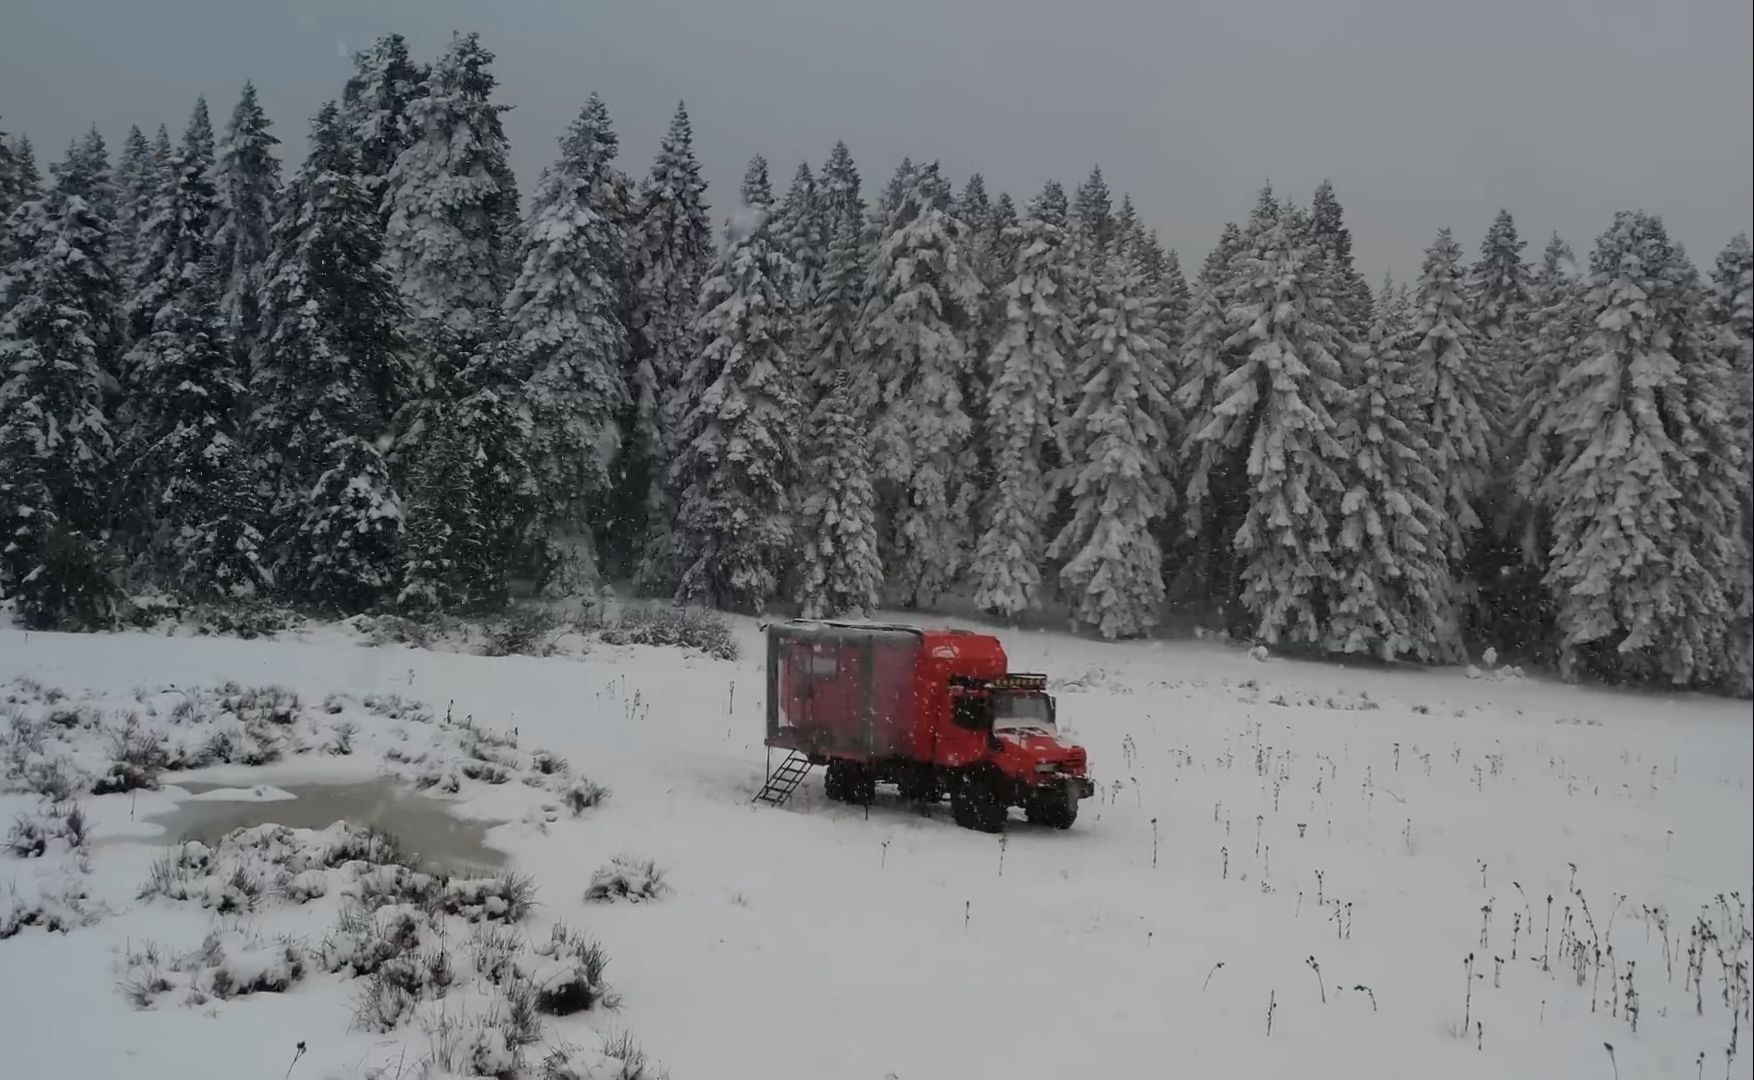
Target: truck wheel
850,782
834,782
1056,809
861,785
976,804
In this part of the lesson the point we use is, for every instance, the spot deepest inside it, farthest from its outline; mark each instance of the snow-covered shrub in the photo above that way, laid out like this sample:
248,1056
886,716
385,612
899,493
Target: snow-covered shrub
567,972
232,964
271,704
506,897
55,911
60,829
138,756
549,764
521,632
618,1058
363,941
627,878
583,794
662,624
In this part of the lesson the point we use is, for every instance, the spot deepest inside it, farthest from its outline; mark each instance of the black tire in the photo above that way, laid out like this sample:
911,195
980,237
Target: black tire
861,785
850,782
834,782
976,804
1056,809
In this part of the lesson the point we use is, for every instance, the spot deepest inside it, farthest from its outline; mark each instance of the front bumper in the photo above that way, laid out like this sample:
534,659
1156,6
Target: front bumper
1081,786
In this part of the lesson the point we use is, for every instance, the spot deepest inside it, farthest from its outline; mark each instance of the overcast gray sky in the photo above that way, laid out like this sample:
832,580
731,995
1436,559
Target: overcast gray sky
1423,112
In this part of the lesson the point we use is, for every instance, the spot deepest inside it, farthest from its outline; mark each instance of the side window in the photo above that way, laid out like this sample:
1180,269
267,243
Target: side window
971,712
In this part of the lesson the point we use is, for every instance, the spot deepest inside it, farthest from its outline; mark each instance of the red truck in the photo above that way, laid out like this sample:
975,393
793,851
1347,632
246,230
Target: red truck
934,712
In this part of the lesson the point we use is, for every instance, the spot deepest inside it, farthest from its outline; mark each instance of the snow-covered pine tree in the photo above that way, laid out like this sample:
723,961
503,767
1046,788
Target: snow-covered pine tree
1220,262
1267,464
1118,438
55,442
10,181
194,497
385,82
671,246
797,228
1498,303
1334,241
842,207
737,437
838,567
1028,373
326,377
178,233
1093,211
756,190
249,186
1178,301
446,243
567,307
1446,361
1731,325
85,174
1394,594
920,296
474,518
1553,334
1643,499
136,187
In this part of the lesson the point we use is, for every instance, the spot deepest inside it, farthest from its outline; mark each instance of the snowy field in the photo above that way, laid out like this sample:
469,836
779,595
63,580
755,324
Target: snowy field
1272,838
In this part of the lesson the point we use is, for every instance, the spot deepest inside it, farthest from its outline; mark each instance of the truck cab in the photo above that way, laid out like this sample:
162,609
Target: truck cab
935,712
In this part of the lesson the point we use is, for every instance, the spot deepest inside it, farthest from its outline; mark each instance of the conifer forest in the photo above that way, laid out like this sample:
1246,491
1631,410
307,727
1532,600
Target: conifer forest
387,380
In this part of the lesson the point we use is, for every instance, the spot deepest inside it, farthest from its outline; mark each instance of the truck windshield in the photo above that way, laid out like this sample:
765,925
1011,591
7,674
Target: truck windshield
1019,712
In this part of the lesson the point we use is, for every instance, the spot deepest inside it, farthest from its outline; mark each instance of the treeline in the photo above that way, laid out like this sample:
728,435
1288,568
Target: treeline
385,383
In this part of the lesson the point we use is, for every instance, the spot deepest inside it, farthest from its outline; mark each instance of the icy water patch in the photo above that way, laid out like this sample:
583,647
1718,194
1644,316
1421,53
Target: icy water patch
423,824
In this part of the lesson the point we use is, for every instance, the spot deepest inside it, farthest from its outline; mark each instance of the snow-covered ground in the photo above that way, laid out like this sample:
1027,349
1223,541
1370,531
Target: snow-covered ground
1269,833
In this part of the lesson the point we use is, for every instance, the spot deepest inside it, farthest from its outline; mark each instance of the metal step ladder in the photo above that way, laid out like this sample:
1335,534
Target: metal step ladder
781,782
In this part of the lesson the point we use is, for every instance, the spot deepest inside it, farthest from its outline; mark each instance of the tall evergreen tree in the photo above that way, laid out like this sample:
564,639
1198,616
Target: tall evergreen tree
842,206
920,297
1553,334
465,455
737,441
671,248
11,180
55,442
830,328
177,235
1498,303
1027,371
137,187
1119,435
249,187
1178,300
1731,325
327,375
756,190
375,109
1643,498
840,572
448,193
1446,363
1333,241
194,495
85,174
1266,463
798,230
567,307
1395,597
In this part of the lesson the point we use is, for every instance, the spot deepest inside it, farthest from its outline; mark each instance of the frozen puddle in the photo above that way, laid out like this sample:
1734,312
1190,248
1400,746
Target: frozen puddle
423,824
